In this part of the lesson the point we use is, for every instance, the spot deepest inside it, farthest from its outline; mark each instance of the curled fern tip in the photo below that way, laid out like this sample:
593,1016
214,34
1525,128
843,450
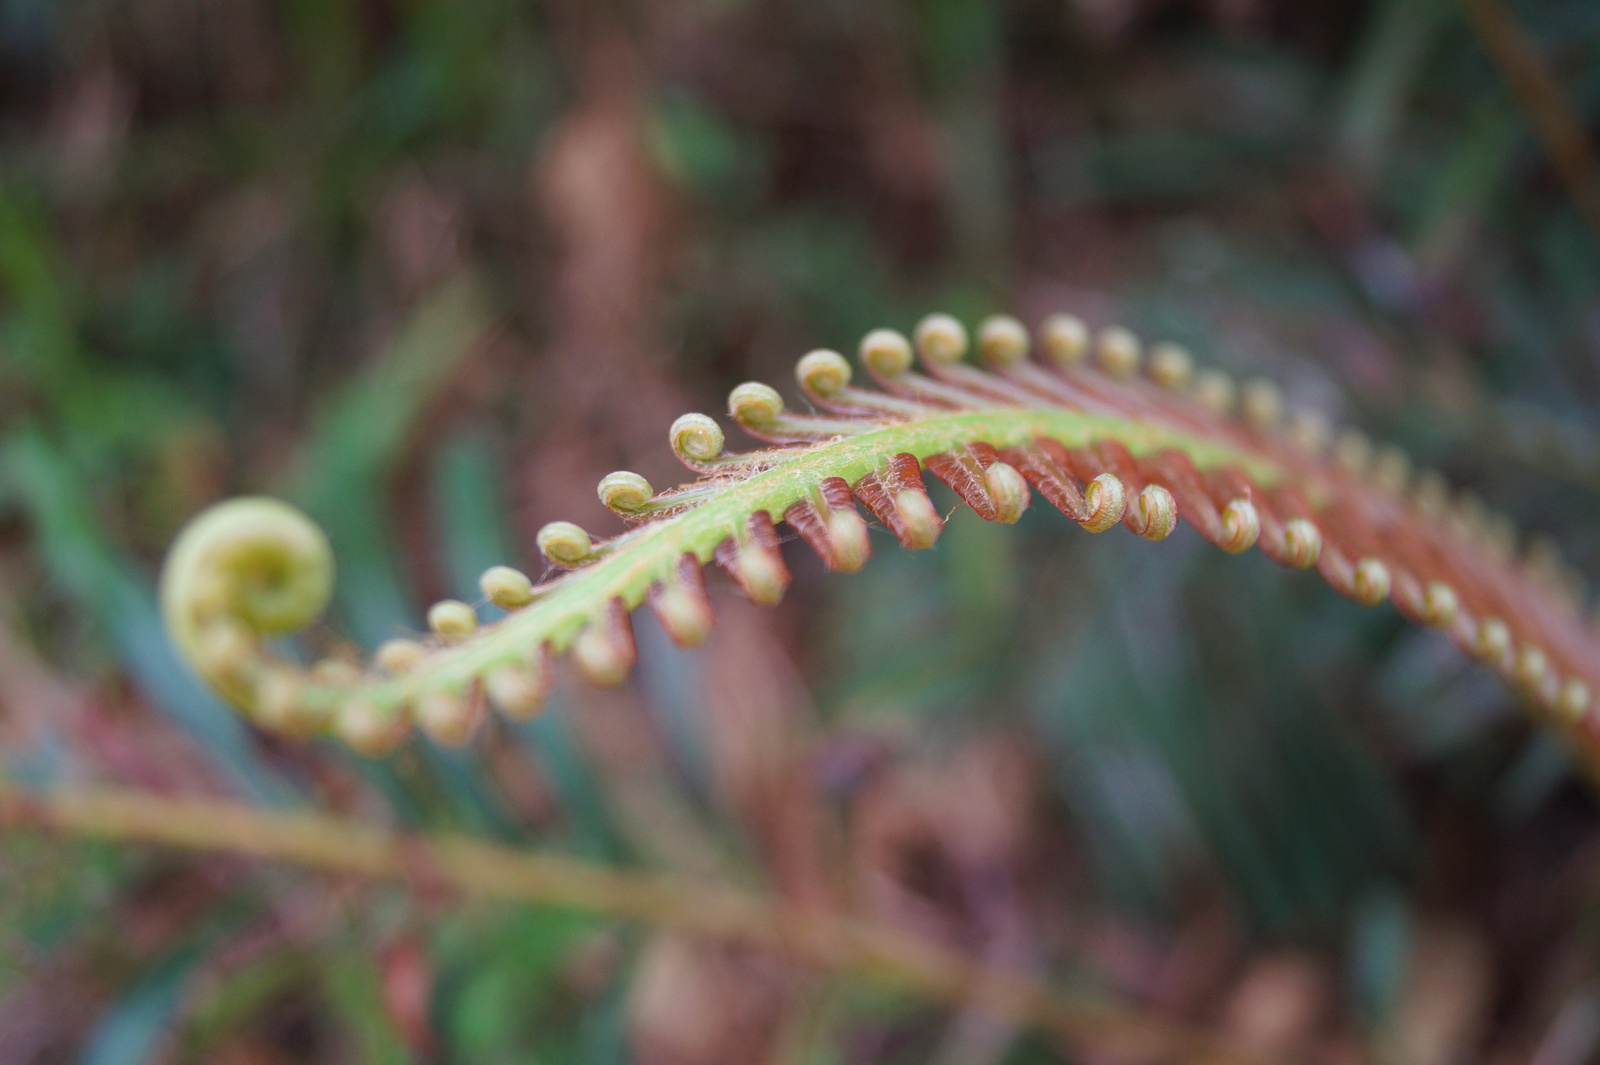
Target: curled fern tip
1108,432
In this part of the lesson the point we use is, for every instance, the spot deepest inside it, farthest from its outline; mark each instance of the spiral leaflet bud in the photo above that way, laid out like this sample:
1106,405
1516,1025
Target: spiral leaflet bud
449,718
1214,391
518,691
848,535
1065,340
1002,340
940,338
1241,526
280,703
1107,498
886,352
506,587
1171,365
624,493
762,574
1118,351
1493,642
400,656
1573,701
564,543
921,519
822,372
754,403
1370,581
696,439
452,620
1302,542
684,612
605,650
1010,491
1439,604
1158,510
1531,668
369,731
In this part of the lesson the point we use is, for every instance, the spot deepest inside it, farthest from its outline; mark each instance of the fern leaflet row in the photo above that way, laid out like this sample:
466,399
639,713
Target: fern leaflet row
1107,433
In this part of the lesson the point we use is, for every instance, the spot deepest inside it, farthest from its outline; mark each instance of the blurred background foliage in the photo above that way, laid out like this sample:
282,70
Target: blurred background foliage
429,268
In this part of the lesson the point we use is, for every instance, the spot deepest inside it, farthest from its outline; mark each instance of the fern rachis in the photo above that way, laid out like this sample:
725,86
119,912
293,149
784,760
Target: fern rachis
1101,440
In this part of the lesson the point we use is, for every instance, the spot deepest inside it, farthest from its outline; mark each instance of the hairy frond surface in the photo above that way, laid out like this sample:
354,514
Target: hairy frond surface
1106,432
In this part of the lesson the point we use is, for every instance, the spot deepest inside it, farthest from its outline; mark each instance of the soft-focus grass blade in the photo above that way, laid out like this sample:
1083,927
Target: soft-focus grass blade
504,986
1387,67
133,1030
353,983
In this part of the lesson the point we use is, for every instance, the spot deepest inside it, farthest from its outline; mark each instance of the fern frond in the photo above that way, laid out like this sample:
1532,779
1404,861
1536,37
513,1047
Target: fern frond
1103,432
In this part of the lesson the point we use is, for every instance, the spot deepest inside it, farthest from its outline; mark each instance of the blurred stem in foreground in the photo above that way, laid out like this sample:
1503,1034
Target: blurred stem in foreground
1560,129
488,871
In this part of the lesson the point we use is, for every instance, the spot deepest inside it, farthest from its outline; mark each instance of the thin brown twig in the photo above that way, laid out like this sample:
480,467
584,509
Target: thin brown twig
489,871
1558,126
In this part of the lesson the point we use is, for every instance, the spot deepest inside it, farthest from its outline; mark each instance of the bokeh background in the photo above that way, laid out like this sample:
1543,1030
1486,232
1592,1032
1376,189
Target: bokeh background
428,268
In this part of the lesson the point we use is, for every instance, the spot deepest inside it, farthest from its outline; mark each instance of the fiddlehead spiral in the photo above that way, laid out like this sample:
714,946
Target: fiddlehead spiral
242,572
1107,432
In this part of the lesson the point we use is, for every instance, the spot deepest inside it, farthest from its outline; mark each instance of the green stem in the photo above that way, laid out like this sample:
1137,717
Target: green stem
649,554
488,871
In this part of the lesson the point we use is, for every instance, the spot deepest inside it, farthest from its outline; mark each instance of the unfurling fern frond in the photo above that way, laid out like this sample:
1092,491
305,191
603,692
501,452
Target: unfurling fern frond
1107,433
